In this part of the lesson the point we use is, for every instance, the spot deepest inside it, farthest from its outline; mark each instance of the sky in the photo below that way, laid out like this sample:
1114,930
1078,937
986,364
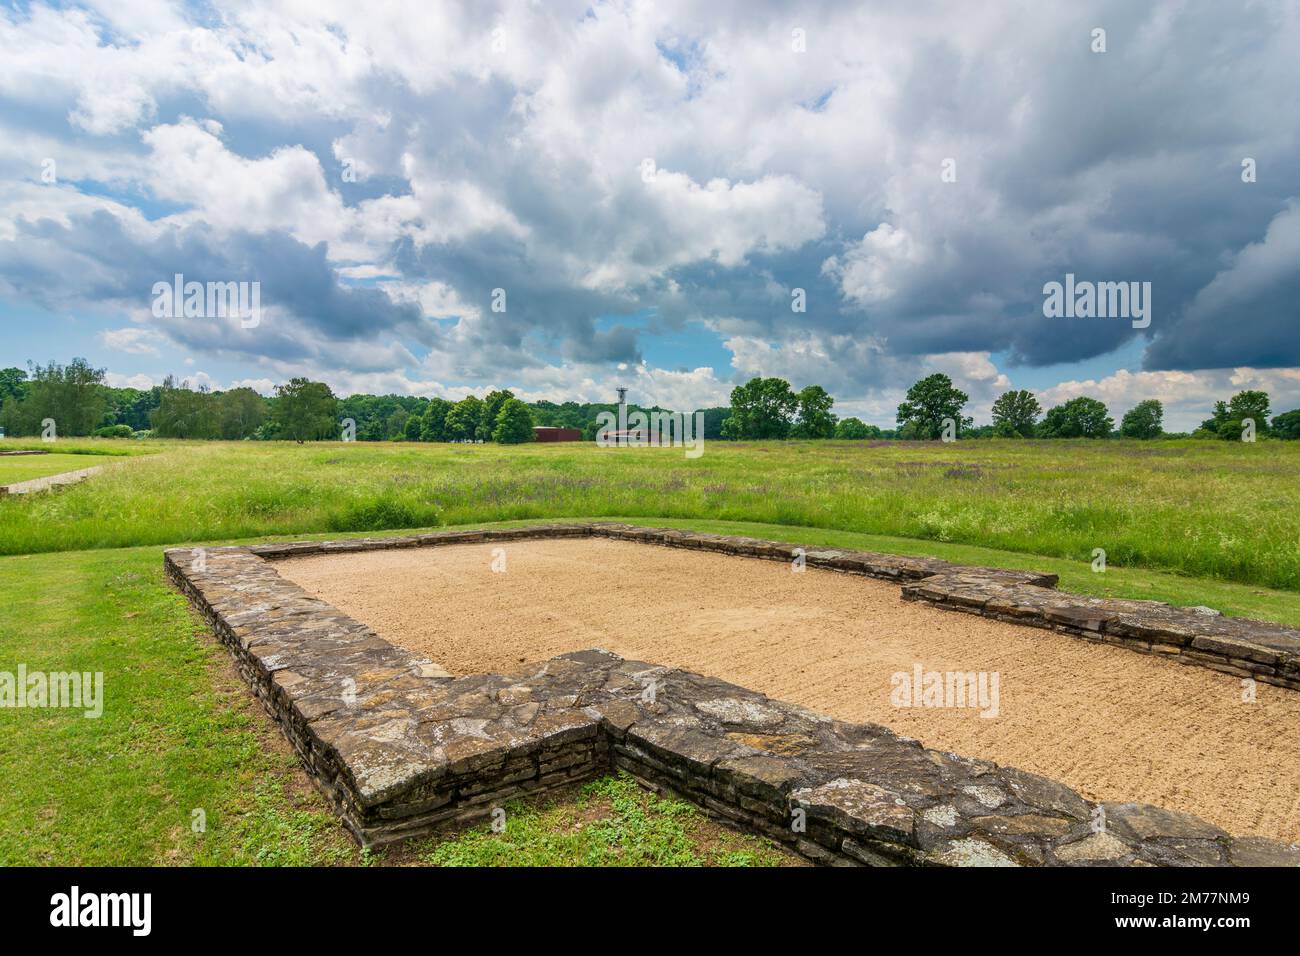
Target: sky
560,198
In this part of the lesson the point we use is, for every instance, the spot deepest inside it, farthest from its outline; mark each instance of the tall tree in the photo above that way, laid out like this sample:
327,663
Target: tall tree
514,424
929,402
1015,414
183,412
305,410
491,408
1143,420
240,412
13,385
815,418
761,408
463,419
395,428
73,395
433,424
1287,425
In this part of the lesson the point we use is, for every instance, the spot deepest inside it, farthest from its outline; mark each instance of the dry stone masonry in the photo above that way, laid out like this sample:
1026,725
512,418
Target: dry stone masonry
399,747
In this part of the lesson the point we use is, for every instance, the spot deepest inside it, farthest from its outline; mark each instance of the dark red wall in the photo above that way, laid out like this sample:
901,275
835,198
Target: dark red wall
558,434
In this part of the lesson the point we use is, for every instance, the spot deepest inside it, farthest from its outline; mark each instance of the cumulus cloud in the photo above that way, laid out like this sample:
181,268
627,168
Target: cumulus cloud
1188,396
140,381
918,172
284,191
132,340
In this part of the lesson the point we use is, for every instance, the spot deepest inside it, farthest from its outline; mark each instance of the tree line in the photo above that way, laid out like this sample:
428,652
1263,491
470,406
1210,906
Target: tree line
765,408
76,398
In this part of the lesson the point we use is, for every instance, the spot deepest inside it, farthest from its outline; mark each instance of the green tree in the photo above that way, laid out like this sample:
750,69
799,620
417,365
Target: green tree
395,426
1015,414
463,419
1287,425
433,424
514,423
854,429
815,419
73,395
1143,420
13,385
305,411
1080,417
183,412
1230,417
137,412
929,402
240,412
488,414
761,408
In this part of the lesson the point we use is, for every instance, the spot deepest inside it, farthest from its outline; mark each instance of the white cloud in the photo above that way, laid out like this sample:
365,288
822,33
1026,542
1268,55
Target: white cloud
680,222
283,191
448,210
867,273
263,386
435,299
1188,397
141,381
132,340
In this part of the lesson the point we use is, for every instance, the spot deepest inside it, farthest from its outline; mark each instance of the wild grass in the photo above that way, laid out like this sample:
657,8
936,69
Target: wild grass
1225,511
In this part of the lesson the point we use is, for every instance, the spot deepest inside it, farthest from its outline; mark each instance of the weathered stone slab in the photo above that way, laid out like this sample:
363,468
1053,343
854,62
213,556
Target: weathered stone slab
1199,636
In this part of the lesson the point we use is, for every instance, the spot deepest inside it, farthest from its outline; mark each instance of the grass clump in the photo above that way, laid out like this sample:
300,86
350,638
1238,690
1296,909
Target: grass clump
612,822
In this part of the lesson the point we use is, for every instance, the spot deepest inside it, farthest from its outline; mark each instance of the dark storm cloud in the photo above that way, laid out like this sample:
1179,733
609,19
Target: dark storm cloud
1125,166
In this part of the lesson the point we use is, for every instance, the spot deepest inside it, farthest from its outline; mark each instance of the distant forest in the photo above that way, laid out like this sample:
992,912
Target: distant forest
73,400
76,399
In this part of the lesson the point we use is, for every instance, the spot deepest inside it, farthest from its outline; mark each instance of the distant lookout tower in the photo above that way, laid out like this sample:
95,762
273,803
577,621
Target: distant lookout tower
621,436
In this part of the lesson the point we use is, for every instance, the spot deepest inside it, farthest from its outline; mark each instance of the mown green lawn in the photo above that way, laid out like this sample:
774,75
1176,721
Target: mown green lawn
25,467
1229,511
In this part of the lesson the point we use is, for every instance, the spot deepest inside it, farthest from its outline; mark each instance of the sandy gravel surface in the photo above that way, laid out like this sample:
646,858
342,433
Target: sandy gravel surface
1114,724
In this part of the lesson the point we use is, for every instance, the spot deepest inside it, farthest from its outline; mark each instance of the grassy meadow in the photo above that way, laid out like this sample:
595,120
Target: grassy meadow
1227,511
81,587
